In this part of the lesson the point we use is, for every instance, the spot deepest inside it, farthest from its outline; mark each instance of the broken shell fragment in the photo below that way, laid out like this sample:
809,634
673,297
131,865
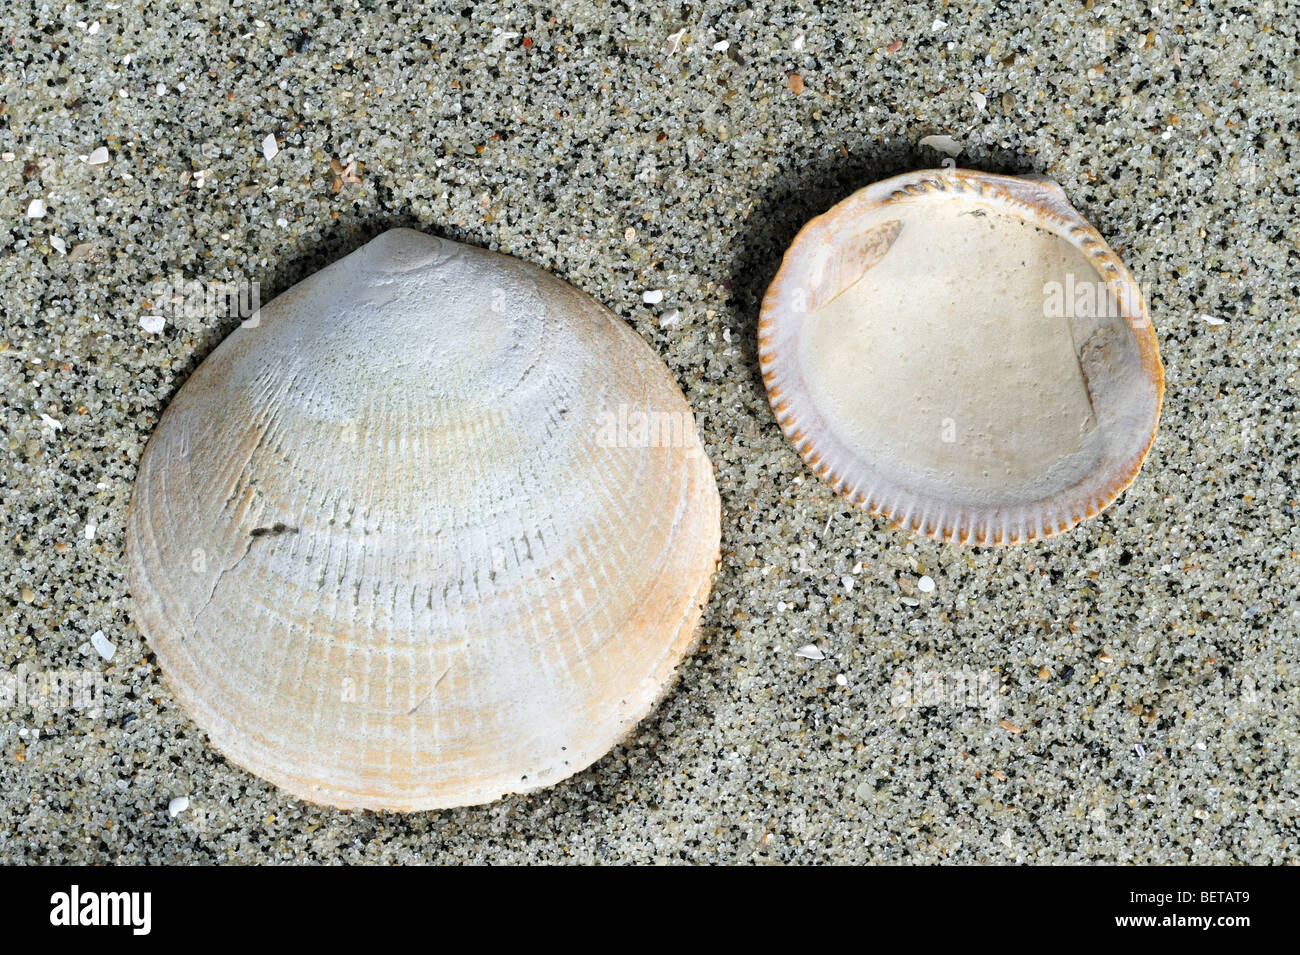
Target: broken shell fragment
964,354
438,528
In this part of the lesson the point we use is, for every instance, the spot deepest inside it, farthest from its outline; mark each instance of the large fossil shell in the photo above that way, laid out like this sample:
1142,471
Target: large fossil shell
437,529
962,353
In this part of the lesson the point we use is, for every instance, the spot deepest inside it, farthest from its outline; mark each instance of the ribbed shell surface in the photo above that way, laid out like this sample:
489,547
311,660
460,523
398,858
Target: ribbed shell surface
436,529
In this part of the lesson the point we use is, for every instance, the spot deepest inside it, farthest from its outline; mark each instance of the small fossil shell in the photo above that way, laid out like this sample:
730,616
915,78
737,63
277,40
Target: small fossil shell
437,529
962,353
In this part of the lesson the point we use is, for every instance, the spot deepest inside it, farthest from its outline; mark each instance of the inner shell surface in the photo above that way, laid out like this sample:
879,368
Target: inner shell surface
953,362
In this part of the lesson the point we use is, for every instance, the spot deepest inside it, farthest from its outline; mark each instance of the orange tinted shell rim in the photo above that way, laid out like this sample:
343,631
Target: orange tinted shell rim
1034,199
